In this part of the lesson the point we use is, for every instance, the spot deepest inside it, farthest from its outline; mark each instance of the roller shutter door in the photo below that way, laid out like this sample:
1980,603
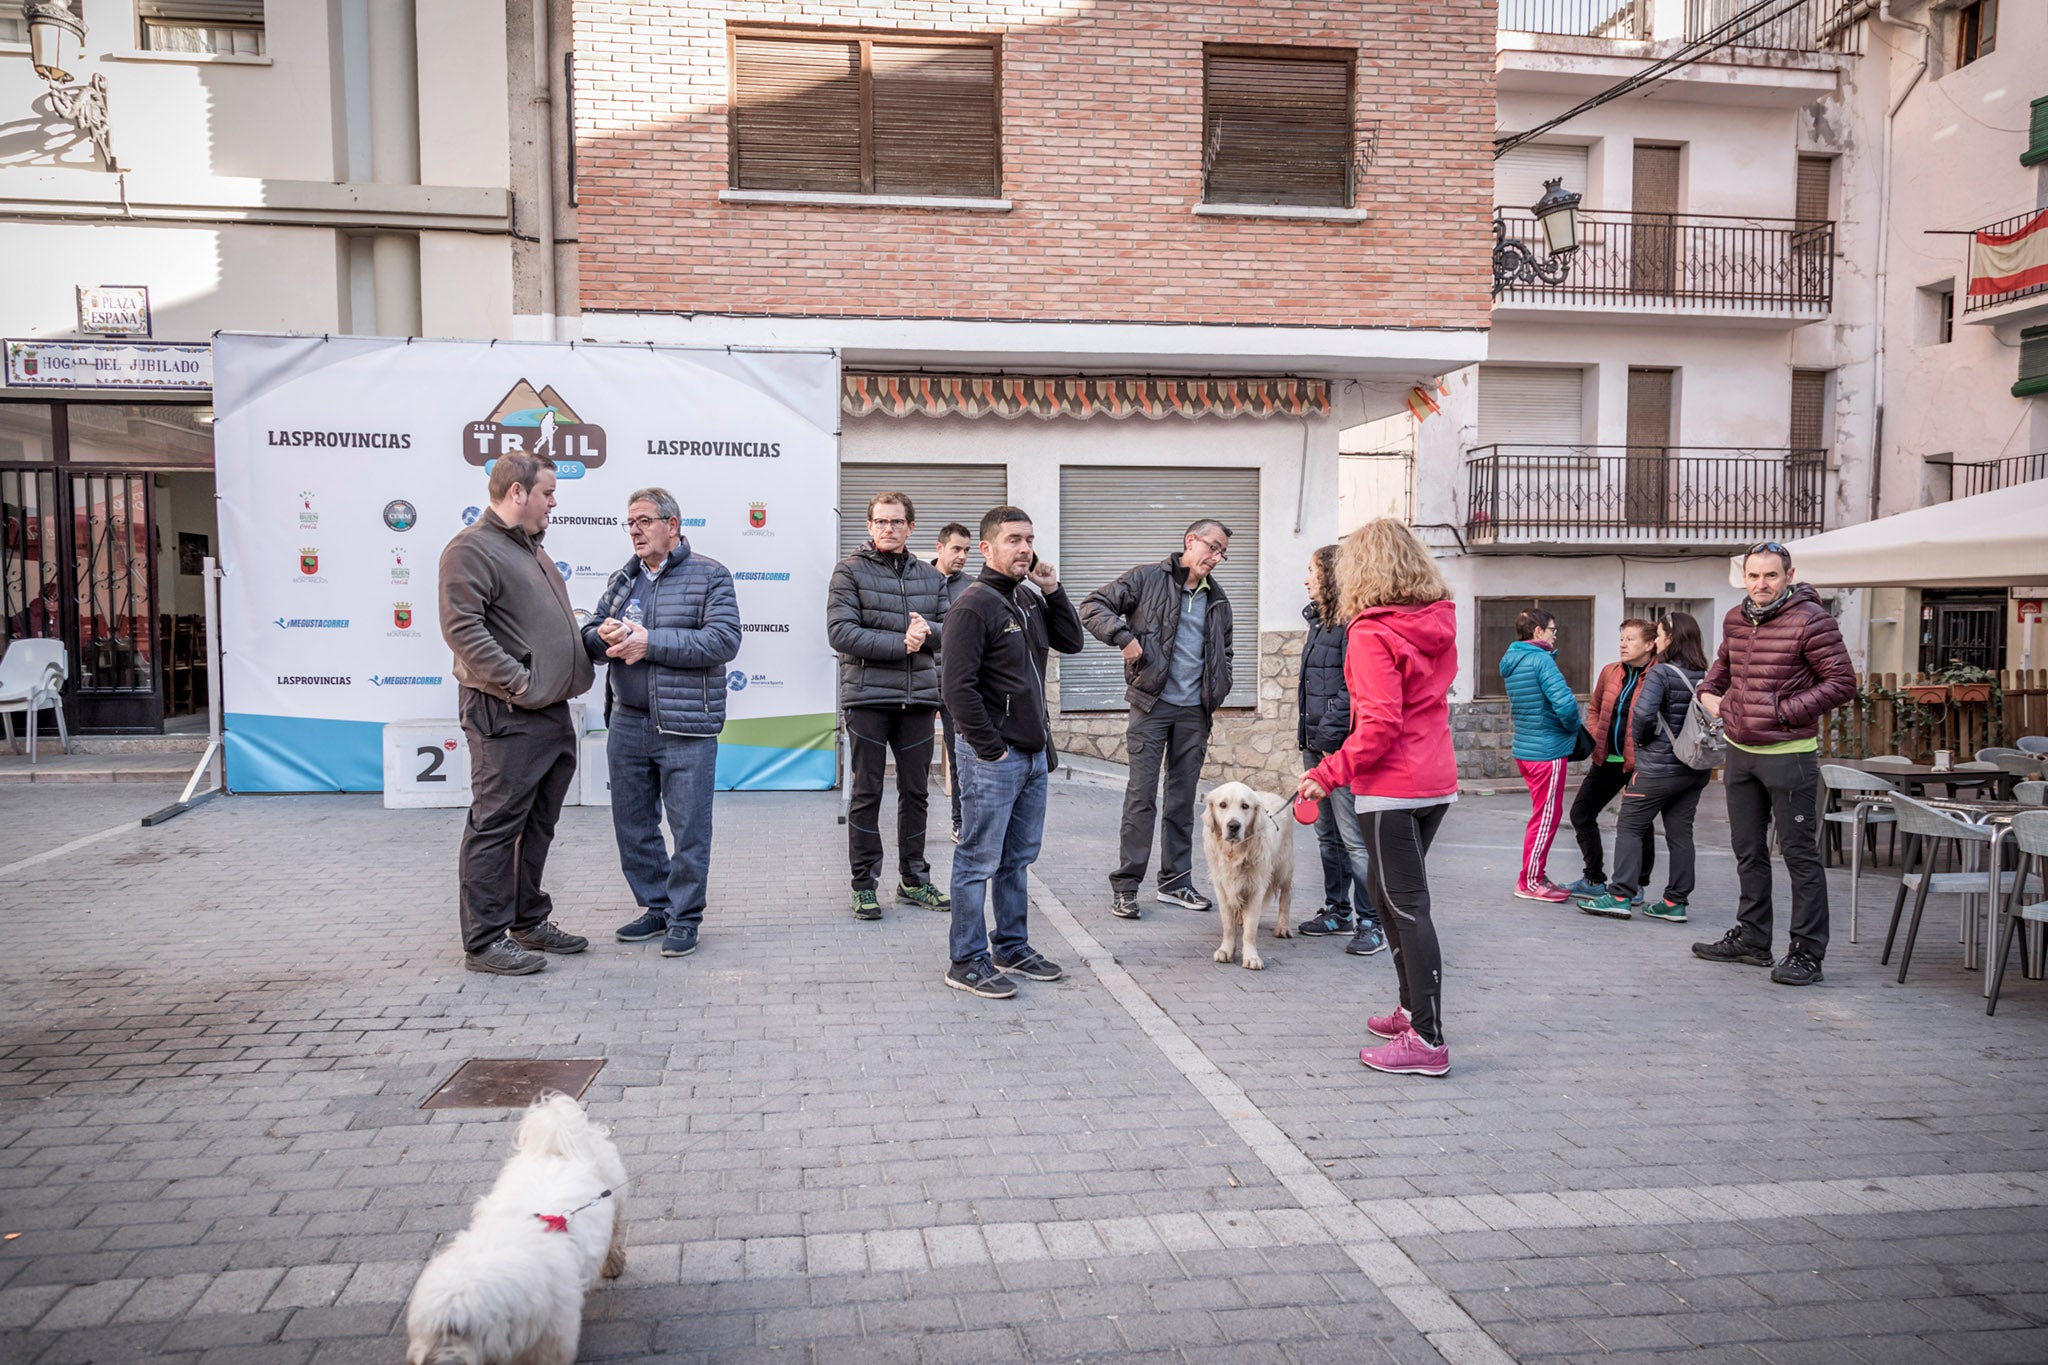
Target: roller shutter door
1111,519
939,493
1518,177
1531,405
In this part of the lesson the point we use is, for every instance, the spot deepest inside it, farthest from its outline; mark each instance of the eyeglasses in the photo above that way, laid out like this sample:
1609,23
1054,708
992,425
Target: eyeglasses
1222,555
888,523
642,523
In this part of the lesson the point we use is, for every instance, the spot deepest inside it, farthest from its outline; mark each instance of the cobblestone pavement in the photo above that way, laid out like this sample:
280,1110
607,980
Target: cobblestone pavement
215,1036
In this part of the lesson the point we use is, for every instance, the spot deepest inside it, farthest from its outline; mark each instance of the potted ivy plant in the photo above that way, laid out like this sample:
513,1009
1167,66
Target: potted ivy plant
1927,694
1966,682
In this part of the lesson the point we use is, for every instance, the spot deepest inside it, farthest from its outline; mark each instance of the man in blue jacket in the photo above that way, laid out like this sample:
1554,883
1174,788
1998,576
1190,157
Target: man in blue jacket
1546,727
669,623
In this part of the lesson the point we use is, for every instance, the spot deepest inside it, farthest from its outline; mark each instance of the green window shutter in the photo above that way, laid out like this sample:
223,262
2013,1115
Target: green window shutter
2033,362
2037,135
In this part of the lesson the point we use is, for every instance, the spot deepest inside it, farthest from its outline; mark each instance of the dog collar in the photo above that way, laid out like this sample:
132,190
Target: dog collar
559,1222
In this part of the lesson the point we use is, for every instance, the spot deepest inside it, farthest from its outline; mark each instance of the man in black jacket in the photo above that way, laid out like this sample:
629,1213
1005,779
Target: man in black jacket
883,615
1172,622
997,633
954,542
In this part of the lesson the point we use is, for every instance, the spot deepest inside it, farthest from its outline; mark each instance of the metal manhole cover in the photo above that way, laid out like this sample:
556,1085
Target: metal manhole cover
481,1083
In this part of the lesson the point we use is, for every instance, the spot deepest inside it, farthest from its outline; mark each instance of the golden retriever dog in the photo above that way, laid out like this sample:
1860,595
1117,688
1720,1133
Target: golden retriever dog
1251,860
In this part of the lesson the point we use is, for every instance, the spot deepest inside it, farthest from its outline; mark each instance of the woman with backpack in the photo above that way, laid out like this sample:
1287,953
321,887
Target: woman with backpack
1663,784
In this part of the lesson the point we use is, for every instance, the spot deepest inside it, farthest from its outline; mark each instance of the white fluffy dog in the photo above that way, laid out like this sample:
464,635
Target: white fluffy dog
509,1289
1251,860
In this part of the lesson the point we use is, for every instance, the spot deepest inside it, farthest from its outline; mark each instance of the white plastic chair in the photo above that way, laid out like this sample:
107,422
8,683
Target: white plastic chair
1860,815
32,675
2032,744
2031,793
2030,832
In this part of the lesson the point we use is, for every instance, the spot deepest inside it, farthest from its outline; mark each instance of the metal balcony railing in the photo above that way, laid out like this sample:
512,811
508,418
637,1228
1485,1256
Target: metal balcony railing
1975,302
1697,261
1696,495
1988,476
1785,26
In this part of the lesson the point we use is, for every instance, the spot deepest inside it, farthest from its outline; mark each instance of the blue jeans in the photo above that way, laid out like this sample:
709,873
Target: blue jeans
652,772
1341,843
1002,819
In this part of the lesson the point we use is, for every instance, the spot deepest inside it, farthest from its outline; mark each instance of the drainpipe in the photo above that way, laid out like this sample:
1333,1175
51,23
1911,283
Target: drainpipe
395,158
1884,210
544,168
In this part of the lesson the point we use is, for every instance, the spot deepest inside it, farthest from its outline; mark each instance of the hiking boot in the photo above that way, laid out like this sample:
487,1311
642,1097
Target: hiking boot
1186,897
679,941
1607,905
1333,919
546,938
1586,888
1388,1025
1666,909
1408,1055
866,906
651,924
1541,891
980,977
1730,948
1124,905
929,896
1798,969
504,958
1368,939
1030,965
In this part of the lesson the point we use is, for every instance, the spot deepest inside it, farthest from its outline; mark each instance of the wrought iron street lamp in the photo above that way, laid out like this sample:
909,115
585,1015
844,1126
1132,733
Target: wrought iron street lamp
1557,215
56,35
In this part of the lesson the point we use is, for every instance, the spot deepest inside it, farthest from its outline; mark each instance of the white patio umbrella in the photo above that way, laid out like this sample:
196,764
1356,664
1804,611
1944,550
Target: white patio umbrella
1993,540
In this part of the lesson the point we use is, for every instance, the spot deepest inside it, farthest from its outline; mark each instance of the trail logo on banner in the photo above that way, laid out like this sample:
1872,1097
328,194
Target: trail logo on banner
536,423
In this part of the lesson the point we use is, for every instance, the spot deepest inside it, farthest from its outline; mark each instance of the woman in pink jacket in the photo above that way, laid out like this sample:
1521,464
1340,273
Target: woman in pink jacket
1400,656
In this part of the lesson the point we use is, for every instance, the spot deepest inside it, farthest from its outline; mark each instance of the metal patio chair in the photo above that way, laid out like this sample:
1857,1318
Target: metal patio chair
1859,815
2030,832
1926,829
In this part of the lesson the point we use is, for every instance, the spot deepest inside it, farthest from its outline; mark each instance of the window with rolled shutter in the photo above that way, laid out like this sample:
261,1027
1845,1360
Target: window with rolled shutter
2037,134
1518,175
220,27
857,114
1276,126
1112,519
1531,405
938,493
2033,377
1809,426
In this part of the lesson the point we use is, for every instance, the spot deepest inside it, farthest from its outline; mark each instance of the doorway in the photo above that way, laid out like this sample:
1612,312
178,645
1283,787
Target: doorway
1961,627
1653,204
1647,490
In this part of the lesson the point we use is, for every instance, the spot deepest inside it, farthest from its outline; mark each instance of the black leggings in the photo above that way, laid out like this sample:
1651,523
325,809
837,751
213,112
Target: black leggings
1397,842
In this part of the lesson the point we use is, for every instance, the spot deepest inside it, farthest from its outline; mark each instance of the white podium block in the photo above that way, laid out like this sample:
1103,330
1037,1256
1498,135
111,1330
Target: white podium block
426,763
594,770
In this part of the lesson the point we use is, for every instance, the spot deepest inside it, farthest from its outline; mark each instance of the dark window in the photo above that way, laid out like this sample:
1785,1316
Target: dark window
1276,126
1497,631
1976,31
221,27
1948,315
857,114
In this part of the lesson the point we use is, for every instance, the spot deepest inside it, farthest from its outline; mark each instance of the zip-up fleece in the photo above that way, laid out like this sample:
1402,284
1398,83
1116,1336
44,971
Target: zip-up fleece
505,614
867,609
993,671
1399,664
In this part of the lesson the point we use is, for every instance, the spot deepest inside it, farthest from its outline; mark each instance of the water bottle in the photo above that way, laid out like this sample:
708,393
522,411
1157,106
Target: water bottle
634,614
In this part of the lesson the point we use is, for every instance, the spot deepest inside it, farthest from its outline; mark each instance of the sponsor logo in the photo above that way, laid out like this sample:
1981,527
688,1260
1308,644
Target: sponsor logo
309,567
691,521
740,682
757,515
562,568
312,623
729,450
736,680
411,680
755,576
556,519
400,515
306,680
535,422
343,440
586,571
401,572
767,627
470,514
309,520
401,619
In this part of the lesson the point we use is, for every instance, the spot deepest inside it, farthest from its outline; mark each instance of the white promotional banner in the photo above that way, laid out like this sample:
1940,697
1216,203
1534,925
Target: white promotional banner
345,464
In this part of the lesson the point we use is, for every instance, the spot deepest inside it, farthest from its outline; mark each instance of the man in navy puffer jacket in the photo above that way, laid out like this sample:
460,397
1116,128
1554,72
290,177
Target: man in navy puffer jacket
668,623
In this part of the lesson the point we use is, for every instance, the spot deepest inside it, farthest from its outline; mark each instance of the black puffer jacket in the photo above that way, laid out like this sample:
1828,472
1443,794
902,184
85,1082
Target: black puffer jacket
1324,702
1144,604
866,612
1662,694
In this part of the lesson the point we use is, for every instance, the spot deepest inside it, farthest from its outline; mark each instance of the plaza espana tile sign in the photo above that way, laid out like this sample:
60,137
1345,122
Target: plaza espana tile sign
185,366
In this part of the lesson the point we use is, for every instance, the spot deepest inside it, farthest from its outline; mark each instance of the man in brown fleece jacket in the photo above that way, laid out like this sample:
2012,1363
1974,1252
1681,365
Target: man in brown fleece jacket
519,658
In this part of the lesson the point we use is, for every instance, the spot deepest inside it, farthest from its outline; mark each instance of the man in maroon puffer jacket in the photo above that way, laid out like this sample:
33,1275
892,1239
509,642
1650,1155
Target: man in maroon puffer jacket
1781,667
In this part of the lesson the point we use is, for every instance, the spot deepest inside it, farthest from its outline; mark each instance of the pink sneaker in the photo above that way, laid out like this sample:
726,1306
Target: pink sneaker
1388,1025
1543,891
1408,1055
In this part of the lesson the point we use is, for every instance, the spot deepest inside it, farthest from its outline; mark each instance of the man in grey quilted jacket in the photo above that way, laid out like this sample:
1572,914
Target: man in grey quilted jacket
668,623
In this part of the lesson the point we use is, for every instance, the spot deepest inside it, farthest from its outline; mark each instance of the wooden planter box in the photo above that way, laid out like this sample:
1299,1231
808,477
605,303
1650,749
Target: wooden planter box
1927,694
1976,691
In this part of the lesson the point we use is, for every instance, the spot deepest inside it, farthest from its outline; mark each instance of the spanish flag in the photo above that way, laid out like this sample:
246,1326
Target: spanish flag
2002,263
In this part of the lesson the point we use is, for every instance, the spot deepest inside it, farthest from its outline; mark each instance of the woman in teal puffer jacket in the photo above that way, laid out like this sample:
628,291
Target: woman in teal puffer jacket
1546,727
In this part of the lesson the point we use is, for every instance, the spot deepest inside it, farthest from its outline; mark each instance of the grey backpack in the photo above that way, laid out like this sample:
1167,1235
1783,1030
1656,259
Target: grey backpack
1699,742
